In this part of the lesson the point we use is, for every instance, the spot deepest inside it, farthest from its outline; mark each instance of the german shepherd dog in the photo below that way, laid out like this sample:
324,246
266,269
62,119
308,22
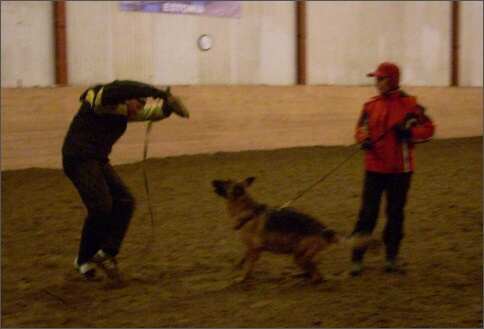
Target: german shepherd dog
279,230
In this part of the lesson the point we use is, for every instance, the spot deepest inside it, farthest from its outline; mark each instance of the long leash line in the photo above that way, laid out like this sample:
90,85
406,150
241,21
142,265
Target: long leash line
56,296
147,189
321,179
335,168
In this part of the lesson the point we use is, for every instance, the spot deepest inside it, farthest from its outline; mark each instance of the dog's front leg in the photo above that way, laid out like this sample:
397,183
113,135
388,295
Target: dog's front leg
251,256
240,260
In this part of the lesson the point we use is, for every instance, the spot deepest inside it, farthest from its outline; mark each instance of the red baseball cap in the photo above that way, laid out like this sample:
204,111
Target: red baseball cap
387,69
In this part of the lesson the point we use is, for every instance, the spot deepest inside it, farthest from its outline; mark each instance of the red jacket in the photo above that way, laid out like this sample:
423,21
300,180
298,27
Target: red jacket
379,115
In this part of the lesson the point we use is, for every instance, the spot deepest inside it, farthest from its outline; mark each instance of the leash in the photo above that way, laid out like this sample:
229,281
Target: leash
321,179
335,168
147,189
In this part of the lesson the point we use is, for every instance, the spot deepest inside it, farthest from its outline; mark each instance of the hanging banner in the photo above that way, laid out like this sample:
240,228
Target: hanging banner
232,9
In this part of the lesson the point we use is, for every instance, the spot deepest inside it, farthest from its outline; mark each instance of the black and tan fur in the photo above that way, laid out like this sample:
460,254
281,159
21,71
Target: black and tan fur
279,230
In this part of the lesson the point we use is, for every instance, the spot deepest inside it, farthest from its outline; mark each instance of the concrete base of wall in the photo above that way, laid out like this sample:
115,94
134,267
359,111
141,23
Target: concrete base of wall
223,118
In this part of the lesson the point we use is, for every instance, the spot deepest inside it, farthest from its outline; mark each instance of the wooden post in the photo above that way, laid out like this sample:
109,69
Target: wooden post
455,44
60,42
301,41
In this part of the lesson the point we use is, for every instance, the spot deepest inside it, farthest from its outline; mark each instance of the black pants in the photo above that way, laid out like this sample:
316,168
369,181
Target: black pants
396,187
109,203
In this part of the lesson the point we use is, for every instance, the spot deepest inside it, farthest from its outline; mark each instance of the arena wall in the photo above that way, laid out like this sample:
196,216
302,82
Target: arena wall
223,118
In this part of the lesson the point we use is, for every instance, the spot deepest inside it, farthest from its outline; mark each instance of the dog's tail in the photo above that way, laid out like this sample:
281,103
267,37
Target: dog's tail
363,241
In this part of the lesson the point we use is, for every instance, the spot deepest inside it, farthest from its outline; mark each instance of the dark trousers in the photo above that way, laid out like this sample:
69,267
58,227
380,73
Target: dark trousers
109,204
396,187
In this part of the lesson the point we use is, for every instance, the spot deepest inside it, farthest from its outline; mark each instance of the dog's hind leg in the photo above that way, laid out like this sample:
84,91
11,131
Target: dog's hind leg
250,257
304,259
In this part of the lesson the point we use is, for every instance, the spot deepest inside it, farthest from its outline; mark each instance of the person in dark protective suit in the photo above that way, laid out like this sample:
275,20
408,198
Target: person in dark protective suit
101,120
389,127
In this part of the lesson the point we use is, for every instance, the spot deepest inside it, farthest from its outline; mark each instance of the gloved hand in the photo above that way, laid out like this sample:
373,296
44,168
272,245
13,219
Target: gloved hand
403,133
403,129
367,144
410,119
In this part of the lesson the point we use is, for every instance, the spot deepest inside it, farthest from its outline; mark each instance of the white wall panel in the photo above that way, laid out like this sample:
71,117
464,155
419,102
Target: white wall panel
471,40
27,44
174,45
348,39
158,48
427,43
278,62
247,44
91,34
178,60
345,39
214,64
132,54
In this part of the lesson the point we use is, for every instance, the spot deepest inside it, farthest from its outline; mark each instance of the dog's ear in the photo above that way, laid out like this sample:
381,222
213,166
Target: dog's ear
219,188
249,180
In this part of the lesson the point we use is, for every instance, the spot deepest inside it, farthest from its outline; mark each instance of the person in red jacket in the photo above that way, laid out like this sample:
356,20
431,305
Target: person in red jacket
390,126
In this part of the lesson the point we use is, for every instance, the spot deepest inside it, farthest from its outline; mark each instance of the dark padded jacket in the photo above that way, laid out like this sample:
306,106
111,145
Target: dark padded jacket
99,123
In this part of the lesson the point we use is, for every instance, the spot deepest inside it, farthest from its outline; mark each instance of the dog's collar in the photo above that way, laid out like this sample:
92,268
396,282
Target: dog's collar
255,213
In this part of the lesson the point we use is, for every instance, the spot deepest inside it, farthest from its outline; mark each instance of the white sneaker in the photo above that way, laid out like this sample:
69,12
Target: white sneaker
107,263
86,271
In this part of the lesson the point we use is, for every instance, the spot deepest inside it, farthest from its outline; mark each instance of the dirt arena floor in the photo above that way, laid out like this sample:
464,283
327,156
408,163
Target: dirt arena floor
180,271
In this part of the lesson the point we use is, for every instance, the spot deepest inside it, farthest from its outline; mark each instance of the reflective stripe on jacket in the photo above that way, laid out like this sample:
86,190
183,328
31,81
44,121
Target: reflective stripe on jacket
102,118
377,121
